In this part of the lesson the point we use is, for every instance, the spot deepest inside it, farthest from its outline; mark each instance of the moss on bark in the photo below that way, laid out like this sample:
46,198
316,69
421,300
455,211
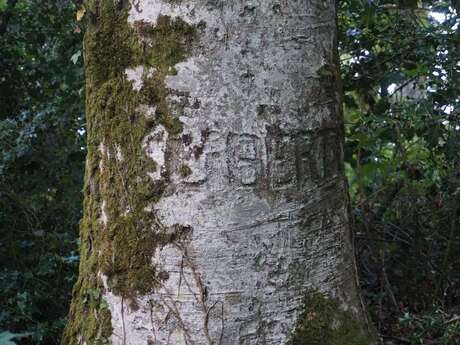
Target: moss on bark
324,322
118,234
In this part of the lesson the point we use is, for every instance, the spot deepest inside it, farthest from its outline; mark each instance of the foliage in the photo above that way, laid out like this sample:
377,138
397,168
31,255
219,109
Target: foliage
41,166
401,82
431,326
6,338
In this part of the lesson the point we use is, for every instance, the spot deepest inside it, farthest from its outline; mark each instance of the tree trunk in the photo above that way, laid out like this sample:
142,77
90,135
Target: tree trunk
216,207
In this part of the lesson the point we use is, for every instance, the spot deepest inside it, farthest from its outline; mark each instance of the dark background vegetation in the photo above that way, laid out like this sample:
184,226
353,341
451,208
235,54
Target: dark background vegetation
400,68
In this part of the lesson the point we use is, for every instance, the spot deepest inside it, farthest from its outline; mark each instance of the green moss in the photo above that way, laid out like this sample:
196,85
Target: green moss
326,71
323,322
89,317
169,41
116,181
184,170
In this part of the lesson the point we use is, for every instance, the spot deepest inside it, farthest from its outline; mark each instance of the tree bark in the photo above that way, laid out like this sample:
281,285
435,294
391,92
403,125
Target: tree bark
216,207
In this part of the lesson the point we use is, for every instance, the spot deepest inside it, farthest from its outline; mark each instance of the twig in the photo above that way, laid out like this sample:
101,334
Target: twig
402,340
151,321
454,319
123,320
180,274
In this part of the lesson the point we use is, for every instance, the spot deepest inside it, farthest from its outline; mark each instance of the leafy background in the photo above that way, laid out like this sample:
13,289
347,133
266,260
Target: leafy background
400,68
400,65
41,166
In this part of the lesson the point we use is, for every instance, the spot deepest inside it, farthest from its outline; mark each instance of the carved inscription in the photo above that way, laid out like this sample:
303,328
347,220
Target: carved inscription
244,158
215,164
282,163
301,161
317,157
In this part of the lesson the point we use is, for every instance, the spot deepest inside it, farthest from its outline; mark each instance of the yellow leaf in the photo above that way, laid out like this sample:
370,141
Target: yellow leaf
81,13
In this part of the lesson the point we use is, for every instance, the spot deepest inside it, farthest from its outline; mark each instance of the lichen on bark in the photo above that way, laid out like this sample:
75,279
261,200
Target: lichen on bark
118,234
324,322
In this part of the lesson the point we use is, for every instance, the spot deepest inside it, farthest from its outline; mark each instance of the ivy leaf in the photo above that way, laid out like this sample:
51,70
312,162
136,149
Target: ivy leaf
6,338
75,57
80,13
3,6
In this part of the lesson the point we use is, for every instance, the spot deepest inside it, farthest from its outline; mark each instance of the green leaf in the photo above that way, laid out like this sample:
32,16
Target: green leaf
75,56
3,6
7,337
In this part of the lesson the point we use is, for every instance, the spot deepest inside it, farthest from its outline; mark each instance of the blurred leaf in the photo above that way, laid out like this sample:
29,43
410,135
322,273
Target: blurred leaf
80,13
6,338
75,57
3,5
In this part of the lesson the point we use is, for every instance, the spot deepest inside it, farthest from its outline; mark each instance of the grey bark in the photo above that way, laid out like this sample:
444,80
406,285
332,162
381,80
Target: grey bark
266,200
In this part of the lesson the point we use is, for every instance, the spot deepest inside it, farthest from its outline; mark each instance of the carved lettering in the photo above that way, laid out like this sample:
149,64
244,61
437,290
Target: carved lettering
244,161
282,163
301,161
318,157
